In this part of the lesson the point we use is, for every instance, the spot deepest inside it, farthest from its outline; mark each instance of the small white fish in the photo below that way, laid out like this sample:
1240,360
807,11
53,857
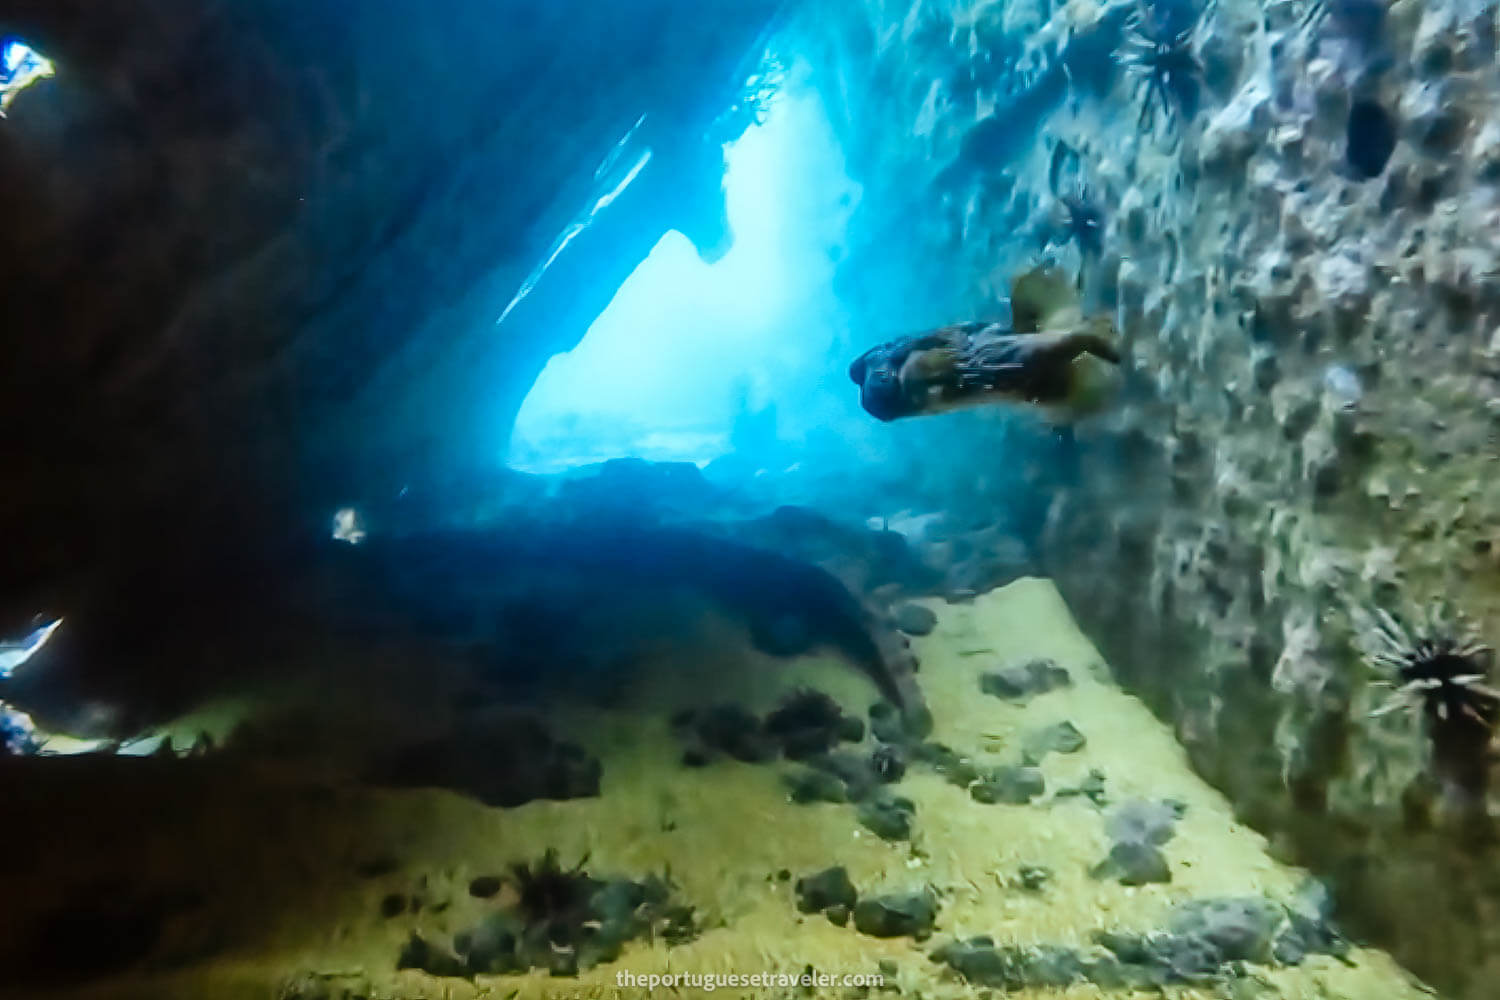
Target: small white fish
14,652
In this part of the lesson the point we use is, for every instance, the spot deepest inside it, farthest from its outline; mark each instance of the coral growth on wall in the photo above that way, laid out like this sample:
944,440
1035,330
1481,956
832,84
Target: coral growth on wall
1292,207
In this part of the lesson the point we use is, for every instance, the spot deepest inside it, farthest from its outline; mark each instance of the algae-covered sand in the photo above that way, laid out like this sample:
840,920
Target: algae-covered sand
291,874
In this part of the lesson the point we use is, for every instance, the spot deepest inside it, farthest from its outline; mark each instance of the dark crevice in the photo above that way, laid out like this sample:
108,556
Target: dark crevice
1371,139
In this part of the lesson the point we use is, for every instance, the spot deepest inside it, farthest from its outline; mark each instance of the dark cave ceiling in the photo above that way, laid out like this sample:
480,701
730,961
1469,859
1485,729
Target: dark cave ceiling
256,251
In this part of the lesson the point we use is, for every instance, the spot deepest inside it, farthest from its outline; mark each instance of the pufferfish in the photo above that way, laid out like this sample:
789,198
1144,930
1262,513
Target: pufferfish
1051,356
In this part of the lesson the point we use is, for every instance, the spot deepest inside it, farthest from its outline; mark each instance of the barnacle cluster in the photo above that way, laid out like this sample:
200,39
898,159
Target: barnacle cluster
1160,54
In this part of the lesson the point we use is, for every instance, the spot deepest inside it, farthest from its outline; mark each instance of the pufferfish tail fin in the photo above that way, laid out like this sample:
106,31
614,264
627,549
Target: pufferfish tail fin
1043,298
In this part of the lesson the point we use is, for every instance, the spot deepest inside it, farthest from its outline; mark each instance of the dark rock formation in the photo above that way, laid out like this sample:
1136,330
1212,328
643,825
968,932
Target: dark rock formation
506,596
252,229
897,915
1304,273
827,888
102,930
505,764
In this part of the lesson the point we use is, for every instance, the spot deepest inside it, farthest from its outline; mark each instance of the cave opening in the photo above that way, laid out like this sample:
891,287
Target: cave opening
20,67
696,359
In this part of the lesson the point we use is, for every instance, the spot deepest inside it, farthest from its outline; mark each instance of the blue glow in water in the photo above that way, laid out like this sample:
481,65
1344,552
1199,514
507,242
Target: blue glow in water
14,652
20,67
686,346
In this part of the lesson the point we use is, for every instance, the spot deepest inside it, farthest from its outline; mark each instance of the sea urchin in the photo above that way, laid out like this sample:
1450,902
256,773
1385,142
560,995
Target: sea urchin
1437,667
1169,72
1082,219
1441,670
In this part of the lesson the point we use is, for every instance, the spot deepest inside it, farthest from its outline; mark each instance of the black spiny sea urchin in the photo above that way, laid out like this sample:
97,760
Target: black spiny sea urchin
1441,670
1083,218
549,895
1161,56
1438,667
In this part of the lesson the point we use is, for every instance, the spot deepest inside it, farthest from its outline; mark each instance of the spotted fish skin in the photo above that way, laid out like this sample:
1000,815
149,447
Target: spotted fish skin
1051,356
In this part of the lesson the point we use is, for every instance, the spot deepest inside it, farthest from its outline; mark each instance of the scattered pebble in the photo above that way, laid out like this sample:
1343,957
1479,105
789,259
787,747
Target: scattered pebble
897,915
828,888
1061,737
1022,682
888,817
1009,785
1091,788
1034,878
1133,863
1140,821
914,619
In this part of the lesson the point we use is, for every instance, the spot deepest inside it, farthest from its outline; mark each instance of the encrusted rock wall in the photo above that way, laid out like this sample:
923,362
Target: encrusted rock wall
1312,313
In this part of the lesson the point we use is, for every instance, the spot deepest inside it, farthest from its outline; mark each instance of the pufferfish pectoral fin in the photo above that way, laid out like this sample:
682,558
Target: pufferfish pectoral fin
1042,297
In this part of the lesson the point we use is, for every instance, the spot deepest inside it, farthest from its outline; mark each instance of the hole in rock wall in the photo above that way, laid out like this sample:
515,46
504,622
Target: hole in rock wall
20,67
691,360
1371,139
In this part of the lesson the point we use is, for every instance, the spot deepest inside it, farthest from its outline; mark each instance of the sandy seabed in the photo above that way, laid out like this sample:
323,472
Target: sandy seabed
289,914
